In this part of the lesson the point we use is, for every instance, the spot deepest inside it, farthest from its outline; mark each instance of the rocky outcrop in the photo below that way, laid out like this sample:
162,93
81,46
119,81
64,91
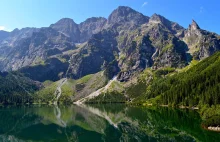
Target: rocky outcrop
79,33
124,76
125,17
35,49
53,69
201,43
12,39
153,44
217,129
3,35
69,28
136,57
173,27
101,49
91,26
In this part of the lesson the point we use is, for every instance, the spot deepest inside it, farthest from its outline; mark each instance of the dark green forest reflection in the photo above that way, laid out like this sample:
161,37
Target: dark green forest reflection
100,123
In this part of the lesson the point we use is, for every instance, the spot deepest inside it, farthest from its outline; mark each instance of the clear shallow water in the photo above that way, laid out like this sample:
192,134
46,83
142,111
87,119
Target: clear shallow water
96,123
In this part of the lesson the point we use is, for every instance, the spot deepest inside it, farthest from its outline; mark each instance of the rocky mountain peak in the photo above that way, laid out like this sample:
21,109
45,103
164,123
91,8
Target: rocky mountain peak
15,30
126,14
201,43
142,41
91,26
66,21
125,9
194,25
174,27
94,19
156,18
68,27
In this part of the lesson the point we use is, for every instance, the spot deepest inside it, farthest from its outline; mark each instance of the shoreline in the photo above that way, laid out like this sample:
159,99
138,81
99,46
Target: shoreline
216,129
212,128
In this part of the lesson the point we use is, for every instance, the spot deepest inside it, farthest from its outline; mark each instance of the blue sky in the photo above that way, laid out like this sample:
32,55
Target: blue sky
42,13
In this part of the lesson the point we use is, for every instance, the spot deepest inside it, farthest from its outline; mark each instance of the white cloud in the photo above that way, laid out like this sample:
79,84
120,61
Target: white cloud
201,9
2,28
144,4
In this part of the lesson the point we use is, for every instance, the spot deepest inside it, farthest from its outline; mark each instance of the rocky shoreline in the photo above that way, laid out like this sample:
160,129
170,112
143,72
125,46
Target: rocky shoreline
217,129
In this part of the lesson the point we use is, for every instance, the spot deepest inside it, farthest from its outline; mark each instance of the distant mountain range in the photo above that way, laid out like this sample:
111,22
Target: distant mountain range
91,53
134,40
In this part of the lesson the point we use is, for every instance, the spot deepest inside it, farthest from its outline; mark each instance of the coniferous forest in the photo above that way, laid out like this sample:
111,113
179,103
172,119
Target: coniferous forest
199,85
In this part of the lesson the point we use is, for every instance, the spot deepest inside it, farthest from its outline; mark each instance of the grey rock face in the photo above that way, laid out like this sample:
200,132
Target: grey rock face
79,33
201,43
124,76
138,55
126,14
154,44
91,26
101,49
129,39
16,35
3,35
53,69
34,50
125,18
69,28
173,27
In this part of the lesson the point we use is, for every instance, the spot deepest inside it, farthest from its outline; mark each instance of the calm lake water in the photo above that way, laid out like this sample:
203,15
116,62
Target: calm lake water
96,123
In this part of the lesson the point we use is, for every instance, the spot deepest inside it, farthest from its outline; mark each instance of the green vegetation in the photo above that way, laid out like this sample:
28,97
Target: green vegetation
213,121
67,92
84,79
167,47
116,86
62,59
139,89
164,71
192,63
195,86
46,94
208,112
38,61
109,97
16,89
70,88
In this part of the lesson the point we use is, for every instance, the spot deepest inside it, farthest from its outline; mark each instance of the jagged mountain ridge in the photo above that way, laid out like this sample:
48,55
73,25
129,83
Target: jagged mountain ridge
132,39
201,43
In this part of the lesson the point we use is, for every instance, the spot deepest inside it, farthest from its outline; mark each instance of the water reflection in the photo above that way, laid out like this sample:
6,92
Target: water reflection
100,123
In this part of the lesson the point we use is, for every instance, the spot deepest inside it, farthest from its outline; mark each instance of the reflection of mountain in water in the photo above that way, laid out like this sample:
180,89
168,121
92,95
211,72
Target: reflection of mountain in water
101,123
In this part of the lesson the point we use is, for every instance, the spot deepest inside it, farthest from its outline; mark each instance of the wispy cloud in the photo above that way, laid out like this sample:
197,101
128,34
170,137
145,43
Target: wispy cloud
2,27
144,4
201,10
5,29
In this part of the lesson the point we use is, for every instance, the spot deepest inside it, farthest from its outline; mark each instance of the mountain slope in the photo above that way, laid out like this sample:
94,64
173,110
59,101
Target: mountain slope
126,45
15,88
91,26
98,52
3,35
35,49
199,85
201,43
138,42
67,27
